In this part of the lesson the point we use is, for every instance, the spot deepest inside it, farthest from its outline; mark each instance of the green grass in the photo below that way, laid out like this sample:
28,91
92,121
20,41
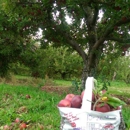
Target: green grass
65,83
52,82
38,110
22,77
119,84
126,116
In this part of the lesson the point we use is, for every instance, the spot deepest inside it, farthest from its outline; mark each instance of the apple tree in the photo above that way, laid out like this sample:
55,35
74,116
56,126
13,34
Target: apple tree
14,41
10,44
94,25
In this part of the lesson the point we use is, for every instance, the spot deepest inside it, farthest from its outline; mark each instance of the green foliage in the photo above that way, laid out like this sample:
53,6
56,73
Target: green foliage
76,84
115,68
61,63
55,62
122,66
11,43
105,83
19,69
126,112
88,34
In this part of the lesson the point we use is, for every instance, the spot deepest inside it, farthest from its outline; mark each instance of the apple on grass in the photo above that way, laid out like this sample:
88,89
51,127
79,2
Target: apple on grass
64,103
6,127
22,126
69,96
17,120
28,96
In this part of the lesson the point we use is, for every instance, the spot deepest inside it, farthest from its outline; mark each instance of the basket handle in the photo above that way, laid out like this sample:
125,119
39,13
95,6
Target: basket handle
87,98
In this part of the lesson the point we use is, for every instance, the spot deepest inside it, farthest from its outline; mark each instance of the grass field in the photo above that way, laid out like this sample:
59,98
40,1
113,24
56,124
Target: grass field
39,111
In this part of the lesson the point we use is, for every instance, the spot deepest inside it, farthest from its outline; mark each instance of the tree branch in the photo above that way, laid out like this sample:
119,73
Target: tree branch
75,46
121,21
69,40
109,30
95,16
120,40
110,3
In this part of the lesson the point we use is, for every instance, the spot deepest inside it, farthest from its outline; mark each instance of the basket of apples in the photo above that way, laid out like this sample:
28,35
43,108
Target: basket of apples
91,110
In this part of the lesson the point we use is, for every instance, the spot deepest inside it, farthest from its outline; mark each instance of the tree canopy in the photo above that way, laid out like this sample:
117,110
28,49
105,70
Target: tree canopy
95,25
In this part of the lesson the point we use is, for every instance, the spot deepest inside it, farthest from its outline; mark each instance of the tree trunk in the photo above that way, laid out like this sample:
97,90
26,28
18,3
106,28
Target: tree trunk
90,67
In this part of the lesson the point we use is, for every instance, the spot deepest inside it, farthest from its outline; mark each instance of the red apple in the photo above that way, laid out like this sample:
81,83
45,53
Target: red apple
17,120
93,96
82,94
103,91
22,126
117,108
76,101
103,108
69,96
6,127
64,103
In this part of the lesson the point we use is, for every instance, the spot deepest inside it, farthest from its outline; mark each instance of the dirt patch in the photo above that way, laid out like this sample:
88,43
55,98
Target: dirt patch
58,89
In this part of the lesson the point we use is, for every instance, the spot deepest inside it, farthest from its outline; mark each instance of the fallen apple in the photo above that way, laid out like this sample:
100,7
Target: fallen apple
64,103
69,96
17,120
76,101
102,107
28,96
6,127
22,126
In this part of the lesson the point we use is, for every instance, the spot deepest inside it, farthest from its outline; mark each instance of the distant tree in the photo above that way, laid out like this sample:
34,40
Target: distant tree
122,68
109,56
13,42
60,61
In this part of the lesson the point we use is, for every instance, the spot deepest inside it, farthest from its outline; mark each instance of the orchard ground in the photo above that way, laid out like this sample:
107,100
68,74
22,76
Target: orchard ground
39,111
